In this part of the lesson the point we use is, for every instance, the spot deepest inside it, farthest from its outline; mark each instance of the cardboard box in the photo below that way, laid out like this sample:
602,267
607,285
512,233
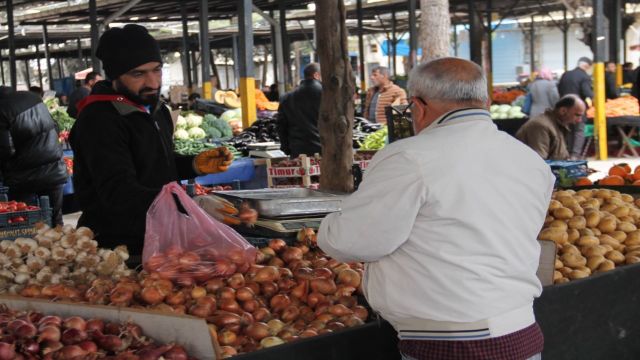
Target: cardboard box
547,263
188,331
178,94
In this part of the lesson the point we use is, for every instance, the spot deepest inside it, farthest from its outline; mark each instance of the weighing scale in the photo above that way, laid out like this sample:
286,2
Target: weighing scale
268,150
283,212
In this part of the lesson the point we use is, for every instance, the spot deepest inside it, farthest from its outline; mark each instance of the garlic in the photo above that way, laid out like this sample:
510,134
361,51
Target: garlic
68,229
35,263
90,261
42,228
21,278
13,251
105,268
44,277
4,244
4,260
55,279
15,289
85,231
90,276
58,253
6,274
42,252
68,241
83,243
44,241
22,268
53,234
15,262
26,245
122,252
70,254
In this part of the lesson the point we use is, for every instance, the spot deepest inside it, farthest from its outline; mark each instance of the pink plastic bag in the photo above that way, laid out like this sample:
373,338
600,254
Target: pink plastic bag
183,243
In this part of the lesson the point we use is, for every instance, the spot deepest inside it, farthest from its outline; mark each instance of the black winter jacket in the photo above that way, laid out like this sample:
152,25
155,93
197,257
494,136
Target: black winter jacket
576,82
30,153
298,119
123,156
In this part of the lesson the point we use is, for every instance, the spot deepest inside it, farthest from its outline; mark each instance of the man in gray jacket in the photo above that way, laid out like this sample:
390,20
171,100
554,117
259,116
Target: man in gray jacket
577,82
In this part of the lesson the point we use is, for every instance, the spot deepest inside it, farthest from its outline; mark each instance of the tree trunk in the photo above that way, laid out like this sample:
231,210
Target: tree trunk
434,29
335,120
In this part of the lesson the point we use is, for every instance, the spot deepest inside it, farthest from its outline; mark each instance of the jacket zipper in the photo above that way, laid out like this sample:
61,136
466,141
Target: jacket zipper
162,140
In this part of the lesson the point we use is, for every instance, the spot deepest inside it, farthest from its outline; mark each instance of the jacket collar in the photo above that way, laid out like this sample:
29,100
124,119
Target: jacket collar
457,116
122,104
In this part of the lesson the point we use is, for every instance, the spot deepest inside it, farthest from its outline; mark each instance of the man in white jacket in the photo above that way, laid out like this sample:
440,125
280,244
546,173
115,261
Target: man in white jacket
446,222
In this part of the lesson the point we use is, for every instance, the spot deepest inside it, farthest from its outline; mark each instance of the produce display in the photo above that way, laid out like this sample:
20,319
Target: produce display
204,190
618,175
376,140
290,293
505,97
622,106
227,98
33,335
58,262
506,112
595,230
265,129
361,129
262,103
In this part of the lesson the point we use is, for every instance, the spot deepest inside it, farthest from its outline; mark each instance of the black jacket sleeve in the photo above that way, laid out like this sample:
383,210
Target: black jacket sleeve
184,166
585,87
6,144
283,127
610,86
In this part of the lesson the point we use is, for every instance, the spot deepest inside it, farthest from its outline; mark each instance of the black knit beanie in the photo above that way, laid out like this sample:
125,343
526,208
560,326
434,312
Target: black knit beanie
123,49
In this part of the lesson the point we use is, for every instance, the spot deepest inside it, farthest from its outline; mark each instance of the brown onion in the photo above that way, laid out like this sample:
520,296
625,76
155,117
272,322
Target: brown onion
176,298
267,273
245,294
335,325
89,346
177,352
236,281
262,314
208,300
291,313
229,305
227,293
269,289
308,333
227,351
348,301
198,292
279,302
152,295
277,245
303,273
227,337
323,286
257,331
121,296
285,273
286,284
224,319
314,298
340,310
212,285
349,277
323,273
301,290
201,311
291,254
276,262
361,312
250,305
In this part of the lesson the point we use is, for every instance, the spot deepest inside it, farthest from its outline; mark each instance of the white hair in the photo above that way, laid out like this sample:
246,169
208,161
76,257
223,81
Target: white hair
449,79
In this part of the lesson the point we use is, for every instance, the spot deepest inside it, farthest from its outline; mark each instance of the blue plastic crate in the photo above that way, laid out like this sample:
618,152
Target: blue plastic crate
568,169
12,230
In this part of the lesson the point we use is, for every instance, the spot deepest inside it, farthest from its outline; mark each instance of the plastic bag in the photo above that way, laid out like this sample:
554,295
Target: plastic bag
183,243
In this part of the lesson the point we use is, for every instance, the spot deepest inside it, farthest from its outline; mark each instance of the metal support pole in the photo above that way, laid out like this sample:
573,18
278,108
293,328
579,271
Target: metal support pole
475,33
286,46
455,40
599,43
47,55
205,55
13,75
394,41
615,35
565,40
194,65
39,67
95,35
532,48
226,70
2,69
362,71
236,60
413,35
489,48
60,70
278,48
186,66
274,57
79,45
247,80
27,77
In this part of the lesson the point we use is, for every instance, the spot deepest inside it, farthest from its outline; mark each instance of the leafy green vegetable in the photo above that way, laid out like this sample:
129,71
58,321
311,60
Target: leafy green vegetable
62,119
190,147
375,141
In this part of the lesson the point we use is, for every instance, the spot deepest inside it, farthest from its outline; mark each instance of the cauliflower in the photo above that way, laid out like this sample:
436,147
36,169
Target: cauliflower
181,134
181,123
193,120
196,133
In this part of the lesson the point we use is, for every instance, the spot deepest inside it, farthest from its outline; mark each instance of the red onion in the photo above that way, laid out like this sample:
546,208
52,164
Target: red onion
30,346
95,324
75,322
177,352
153,353
70,352
111,329
89,346
7,351
110,343
73,336
49,333
50,347
25,331
50,319
134,330
15,324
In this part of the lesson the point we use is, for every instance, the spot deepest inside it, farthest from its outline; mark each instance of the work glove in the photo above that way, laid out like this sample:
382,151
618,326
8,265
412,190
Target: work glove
219,208
589,102
213,161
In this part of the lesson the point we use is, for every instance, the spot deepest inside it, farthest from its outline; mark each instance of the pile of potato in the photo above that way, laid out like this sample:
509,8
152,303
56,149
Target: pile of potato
595,230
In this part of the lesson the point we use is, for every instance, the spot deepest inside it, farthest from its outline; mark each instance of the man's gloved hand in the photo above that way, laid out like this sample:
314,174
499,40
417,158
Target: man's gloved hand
213,161
219,208
589,102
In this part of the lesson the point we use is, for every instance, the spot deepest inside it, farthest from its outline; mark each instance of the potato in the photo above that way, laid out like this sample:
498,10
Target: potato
586,232
628,219
562,213
631,248
588,241
562,281
594,262
608,240
564,193
554,204
637,202
620,212
606,265
597,232
556,235
585,193
580,199
557,275
610,208
615,256
591,204
626,227
548,220
569,249
578,274
573,235
560,224
603,194
628,260
558,264
567,201
607,225
590,251
565,271
583,268
616,201
607,248
577,210
577,222
573,260
593,218
633,253
627,198
633,238
619,235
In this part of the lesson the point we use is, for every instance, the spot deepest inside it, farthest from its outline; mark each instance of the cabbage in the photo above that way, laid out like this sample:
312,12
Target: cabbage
494,108
229,115
181,134
504,108
197,133
181,123
193,120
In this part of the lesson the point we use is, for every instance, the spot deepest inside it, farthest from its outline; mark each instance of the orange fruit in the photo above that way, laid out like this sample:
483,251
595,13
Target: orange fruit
626,167
636,174
612,180
618,170
583,181
636,183
637,168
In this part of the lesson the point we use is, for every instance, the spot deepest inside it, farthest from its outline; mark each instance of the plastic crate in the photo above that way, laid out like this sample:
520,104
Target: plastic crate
4,193
261,242
26,228
568,169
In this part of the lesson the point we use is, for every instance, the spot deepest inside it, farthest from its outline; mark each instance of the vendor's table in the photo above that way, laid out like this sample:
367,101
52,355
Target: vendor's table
627,128
597,318
240,170
510,126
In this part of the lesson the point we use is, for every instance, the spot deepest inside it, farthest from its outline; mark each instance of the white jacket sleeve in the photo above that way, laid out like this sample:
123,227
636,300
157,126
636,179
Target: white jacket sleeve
378,218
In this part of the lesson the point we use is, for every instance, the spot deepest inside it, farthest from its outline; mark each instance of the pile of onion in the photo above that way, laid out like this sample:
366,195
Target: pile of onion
32,335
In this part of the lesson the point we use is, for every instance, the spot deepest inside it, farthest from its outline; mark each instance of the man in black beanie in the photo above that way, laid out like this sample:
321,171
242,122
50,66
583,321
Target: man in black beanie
123,141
